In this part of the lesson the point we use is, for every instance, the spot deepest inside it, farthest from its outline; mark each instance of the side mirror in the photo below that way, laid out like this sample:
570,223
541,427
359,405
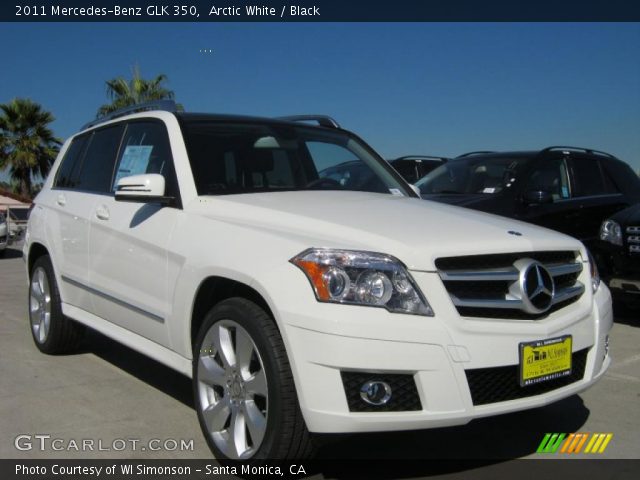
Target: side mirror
415,189
537,197
147,188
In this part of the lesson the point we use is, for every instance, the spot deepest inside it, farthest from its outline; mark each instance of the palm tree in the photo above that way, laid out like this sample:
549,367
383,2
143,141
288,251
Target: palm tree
124,93
27,144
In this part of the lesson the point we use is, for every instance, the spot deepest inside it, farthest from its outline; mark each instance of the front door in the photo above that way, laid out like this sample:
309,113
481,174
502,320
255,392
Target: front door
129,263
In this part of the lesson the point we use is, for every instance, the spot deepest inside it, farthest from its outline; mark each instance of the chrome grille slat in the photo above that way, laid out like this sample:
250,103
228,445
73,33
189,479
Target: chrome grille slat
561,296
478,275
568,293
564,269
633,229
510,274
484,303
489,292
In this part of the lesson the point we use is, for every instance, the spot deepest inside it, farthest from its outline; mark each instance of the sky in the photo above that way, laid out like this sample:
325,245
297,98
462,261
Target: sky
406,88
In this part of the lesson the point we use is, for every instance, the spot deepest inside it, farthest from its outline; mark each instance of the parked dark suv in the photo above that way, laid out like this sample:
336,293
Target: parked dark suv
568,189
620,236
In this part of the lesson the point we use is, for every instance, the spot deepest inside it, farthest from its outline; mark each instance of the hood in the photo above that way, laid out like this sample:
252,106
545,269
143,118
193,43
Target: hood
628,216
415,231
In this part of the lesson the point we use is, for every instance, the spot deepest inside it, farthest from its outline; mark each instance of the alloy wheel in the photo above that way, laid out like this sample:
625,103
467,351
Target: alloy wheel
232,389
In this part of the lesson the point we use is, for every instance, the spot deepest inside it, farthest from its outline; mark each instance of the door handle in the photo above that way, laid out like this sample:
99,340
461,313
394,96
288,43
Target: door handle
61,200
102,212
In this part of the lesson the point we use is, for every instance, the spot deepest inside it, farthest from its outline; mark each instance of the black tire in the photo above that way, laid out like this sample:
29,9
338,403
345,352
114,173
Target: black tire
286,435
2,252
63,334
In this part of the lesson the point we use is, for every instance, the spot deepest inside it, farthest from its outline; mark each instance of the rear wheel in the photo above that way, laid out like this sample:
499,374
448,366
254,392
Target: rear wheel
52,332
243,387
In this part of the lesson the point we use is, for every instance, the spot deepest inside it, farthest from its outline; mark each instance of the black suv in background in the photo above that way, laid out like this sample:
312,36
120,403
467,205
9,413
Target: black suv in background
568,189
620,236
414,167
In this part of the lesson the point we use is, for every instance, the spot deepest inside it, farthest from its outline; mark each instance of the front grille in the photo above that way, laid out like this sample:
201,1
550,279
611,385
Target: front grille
633,239
404,394
499,384
498,260
486,285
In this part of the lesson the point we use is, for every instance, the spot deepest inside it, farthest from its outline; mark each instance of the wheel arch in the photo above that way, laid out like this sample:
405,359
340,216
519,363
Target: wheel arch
36,250
214,289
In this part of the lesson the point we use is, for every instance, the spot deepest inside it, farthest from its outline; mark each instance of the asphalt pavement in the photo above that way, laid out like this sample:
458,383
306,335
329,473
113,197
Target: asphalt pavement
128,406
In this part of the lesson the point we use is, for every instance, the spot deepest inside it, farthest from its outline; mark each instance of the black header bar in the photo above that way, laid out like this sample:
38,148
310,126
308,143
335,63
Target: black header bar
320,11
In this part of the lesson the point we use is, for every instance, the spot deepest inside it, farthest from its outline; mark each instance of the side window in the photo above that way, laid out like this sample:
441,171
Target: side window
550,176
67,176
589,179
146,149
621,177
97,166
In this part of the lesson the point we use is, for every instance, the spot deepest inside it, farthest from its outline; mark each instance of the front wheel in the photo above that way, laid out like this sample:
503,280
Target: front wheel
243,387
52,332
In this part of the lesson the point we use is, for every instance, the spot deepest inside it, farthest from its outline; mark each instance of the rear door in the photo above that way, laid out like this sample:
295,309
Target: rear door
67,227
129,263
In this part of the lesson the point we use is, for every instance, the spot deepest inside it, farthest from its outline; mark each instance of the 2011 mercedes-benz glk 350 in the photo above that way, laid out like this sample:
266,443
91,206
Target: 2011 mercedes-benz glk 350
298,296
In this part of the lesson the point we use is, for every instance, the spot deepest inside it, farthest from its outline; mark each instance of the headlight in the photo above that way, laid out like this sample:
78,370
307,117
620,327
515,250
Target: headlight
595,275
361,278
610,231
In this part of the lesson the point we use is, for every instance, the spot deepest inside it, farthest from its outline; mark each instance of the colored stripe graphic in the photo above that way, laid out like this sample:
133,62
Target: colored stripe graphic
598,442
574,443
551,442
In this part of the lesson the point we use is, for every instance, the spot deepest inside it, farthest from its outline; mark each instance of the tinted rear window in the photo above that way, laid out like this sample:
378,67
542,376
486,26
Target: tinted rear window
67,176
589,178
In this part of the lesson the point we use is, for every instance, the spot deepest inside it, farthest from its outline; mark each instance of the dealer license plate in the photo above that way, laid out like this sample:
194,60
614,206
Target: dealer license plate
544,360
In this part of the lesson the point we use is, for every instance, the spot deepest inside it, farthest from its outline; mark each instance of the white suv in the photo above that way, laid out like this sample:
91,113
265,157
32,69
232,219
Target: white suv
301,283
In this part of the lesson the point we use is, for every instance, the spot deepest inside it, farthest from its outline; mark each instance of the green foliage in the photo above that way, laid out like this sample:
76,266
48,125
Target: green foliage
28,147
124,93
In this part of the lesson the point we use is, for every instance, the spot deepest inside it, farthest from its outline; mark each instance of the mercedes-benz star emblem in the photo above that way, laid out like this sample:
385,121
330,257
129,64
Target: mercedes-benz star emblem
535,286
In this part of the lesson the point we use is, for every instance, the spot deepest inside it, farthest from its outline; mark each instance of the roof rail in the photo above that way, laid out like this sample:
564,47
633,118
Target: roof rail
323,120
475,153
422,157
163,105
577,149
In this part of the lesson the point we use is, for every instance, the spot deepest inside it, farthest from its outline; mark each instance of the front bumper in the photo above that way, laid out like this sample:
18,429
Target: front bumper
623,287
436,351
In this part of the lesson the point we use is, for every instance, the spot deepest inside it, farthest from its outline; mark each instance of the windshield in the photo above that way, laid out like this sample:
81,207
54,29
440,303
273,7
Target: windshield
485,175
228,158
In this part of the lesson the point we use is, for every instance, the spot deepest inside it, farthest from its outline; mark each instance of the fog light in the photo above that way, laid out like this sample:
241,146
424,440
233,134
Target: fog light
375,392
606,346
